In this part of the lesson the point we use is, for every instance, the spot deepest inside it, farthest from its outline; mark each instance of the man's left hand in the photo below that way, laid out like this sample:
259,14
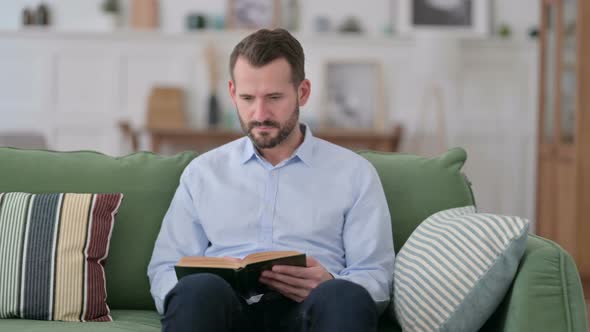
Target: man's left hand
296,282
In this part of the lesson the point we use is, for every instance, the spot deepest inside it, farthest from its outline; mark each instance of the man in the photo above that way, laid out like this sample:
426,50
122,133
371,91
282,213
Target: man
279,188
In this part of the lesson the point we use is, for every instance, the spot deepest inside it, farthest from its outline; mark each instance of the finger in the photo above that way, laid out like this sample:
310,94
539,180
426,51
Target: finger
295,271
294,297
315,273
310,261
291,295
266,282
285,289
290,280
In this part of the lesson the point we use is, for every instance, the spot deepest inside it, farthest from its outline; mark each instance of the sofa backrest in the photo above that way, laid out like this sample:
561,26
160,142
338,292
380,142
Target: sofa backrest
148,182
416,187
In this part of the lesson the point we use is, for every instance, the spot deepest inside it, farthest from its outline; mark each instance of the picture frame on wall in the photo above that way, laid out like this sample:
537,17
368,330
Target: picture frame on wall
253,14
462,17
353,96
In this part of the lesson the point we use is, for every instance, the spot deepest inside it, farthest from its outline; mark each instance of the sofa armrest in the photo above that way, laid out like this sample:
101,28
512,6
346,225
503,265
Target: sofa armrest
546,294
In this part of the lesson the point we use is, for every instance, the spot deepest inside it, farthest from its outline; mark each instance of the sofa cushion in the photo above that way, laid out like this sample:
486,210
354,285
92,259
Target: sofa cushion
123,321
148,182
416,187
455,269
52,253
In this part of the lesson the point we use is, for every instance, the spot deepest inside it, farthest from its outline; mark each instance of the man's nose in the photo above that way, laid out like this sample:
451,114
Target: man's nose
261,111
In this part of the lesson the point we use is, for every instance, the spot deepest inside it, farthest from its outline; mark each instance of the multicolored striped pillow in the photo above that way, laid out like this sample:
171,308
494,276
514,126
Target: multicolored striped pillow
455,269
52,254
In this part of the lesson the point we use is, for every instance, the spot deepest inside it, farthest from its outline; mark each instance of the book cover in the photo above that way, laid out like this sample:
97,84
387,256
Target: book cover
242,275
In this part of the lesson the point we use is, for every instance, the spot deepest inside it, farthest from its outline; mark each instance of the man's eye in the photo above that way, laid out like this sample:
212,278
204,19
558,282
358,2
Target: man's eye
275,97
247,98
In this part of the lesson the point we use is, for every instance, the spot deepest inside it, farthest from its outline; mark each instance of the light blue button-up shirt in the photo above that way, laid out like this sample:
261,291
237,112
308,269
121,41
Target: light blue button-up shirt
325,201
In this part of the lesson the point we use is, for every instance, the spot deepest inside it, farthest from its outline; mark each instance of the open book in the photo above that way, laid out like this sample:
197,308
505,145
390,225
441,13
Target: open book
242,275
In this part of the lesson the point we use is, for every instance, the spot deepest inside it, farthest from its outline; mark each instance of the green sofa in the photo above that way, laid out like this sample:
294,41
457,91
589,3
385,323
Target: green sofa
546,294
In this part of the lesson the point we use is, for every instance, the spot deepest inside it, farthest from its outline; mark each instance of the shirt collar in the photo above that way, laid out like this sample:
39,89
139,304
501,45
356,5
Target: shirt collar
248,150
304,152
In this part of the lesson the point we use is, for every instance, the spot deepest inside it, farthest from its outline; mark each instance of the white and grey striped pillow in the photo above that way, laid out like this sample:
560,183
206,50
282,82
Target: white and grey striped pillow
455,269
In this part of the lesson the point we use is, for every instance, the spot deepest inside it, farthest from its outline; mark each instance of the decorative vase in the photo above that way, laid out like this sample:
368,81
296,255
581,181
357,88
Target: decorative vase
214,115
28,17
42,15
144,14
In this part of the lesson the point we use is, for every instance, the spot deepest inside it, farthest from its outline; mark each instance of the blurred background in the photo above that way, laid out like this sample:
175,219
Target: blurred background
394,75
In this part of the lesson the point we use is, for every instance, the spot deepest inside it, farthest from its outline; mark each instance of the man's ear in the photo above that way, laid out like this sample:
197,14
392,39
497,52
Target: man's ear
304,91
232,91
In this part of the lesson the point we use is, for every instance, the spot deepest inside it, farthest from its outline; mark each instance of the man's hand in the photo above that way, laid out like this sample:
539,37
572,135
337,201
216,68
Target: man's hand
296,282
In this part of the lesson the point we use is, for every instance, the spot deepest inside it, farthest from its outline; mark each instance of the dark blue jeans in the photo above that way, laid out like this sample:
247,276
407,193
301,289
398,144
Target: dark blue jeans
206,302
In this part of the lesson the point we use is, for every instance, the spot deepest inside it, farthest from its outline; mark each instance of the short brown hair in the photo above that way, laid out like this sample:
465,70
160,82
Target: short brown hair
264,46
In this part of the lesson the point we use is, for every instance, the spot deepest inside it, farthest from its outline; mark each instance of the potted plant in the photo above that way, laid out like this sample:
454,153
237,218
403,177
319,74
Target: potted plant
111,10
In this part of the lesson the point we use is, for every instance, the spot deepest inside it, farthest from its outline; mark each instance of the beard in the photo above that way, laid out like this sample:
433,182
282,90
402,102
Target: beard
266,140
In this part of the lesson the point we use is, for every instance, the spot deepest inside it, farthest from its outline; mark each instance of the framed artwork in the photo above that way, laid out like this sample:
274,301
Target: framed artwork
353,96
464,17
253,14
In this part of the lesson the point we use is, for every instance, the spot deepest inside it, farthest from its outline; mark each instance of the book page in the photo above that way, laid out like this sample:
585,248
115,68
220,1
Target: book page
215,262
268,255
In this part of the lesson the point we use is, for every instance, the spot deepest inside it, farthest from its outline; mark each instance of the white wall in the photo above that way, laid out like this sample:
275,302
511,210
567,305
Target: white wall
75,87
519,14
374,14
493,115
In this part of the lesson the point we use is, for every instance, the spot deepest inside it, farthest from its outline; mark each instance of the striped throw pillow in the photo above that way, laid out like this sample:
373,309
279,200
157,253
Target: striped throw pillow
52,254
455,269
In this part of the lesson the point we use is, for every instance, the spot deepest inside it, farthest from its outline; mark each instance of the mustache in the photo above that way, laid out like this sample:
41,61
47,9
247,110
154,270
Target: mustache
266,123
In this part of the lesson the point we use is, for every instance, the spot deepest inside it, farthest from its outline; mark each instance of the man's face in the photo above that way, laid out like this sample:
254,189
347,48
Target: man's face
266,100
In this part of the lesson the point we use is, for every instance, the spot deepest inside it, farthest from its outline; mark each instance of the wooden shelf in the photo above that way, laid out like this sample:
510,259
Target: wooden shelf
230,37
203,140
